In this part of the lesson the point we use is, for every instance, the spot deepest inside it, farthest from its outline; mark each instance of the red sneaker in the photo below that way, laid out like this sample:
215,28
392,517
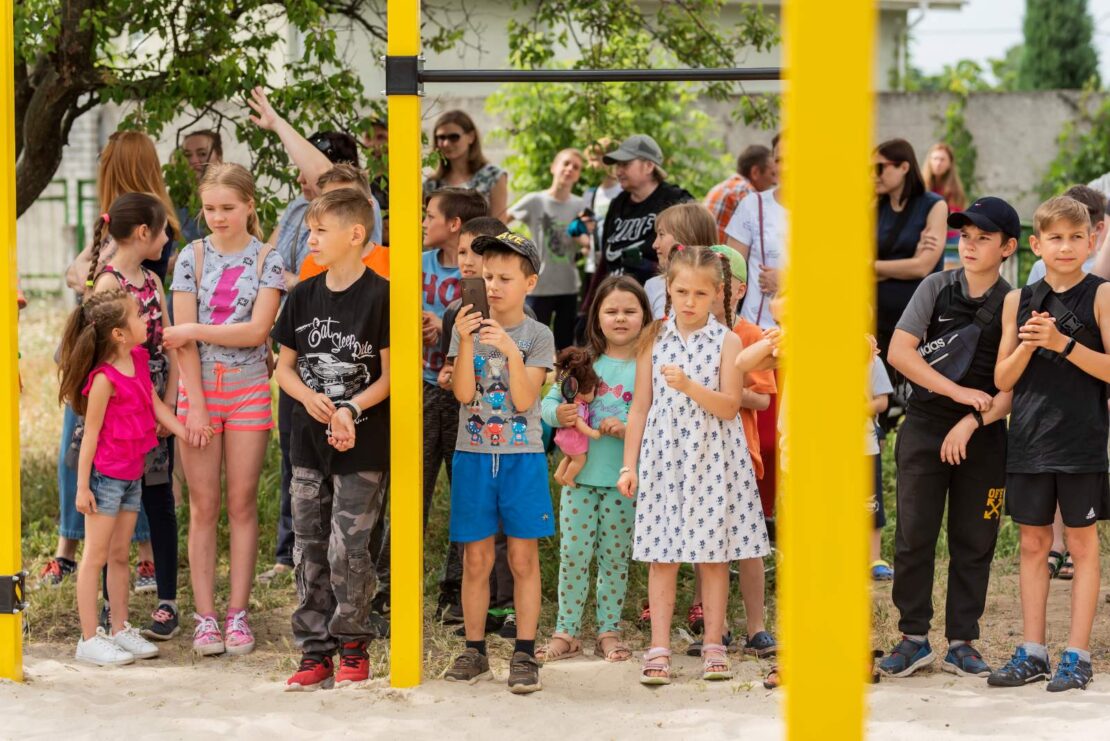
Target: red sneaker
315,673
695,619
354,664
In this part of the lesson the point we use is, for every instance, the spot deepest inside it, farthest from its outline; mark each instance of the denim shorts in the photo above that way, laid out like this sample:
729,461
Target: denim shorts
113,495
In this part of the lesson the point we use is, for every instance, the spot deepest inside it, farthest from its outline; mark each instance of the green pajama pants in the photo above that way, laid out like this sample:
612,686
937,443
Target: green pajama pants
593,521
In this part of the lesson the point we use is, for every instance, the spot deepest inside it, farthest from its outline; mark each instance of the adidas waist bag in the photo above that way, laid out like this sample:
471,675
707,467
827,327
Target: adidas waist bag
949,355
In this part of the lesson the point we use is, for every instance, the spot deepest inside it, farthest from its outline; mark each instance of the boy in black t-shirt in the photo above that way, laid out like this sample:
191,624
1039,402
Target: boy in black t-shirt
1053,355
334,337
952,446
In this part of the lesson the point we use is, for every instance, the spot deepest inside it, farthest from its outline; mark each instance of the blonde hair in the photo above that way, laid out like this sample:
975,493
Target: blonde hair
348,176
689,224
347,205
237,178
949,186
129,164
1060,208
693,258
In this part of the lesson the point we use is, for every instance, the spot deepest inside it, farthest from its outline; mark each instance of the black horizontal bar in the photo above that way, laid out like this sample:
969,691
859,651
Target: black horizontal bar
601,75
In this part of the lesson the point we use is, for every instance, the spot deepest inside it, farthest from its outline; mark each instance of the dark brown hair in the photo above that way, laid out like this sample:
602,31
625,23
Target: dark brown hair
754,156
899,151
215,142
126,214
577,363
595,338
345,204
697,258
1091,198
484,226
475,160
87,342
460,203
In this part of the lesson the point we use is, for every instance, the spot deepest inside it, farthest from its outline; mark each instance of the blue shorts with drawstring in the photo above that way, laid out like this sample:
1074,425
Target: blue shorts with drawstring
494,491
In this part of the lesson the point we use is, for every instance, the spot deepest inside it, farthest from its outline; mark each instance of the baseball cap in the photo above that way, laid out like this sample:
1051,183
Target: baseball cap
511,241
636,147
738,266
989,214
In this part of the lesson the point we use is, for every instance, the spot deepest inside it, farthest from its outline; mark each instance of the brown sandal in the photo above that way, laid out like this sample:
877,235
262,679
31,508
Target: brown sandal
617,651
772,680
551,651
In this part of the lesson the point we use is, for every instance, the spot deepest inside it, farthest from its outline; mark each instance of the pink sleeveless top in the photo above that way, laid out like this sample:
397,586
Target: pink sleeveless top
129,427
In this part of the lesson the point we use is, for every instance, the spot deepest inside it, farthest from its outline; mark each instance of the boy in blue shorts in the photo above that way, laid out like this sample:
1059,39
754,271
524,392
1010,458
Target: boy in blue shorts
500,469
1054,356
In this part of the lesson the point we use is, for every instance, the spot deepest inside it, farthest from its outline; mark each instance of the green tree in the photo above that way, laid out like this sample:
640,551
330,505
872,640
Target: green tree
165,60
1058,52
1084,148
620,34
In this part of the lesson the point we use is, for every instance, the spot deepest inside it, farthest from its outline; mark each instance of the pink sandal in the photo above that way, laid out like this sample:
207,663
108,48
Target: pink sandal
715,662
653,664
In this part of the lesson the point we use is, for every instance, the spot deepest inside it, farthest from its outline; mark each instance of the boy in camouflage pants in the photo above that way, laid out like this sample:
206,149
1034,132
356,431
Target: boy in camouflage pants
334,362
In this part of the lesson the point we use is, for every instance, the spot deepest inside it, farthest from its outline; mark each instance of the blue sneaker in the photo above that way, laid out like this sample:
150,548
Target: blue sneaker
1021,670
1071,674
881,571
906,658
965,661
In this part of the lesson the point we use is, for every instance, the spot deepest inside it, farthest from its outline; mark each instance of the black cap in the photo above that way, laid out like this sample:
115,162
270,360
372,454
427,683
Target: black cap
511,241
989,214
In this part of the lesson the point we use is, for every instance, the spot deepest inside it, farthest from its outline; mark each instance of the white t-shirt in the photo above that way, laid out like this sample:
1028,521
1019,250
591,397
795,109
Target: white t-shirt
879,386
656,289
767,249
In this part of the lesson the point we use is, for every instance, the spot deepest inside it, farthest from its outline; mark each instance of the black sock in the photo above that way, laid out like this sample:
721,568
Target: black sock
528,647
480,646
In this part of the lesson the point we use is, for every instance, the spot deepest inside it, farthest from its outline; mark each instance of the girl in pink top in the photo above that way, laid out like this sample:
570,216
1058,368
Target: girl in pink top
105,376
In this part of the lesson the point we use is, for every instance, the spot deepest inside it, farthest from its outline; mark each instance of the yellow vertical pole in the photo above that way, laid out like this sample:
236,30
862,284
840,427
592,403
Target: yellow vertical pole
406,361
11,625
824,600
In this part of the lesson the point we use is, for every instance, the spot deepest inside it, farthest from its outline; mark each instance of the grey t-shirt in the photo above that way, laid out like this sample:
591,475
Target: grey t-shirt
919,311
490,423
228,288
547,219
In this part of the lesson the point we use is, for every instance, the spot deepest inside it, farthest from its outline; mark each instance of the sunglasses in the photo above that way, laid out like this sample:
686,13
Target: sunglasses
450,138
881,166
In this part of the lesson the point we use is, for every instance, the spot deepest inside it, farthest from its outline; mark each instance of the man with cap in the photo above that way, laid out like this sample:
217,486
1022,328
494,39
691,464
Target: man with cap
500,469
629,229
952,445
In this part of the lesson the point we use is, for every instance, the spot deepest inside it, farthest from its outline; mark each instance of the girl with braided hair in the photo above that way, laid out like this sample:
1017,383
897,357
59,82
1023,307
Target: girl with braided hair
105,377
686,455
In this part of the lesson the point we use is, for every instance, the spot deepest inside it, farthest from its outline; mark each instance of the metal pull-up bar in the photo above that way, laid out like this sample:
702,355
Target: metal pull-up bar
824,590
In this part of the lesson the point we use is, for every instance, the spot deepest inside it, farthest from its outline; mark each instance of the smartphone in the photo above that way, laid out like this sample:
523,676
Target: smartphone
474,294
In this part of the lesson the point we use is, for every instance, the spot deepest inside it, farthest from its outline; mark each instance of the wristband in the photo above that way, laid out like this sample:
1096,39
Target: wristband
350,406
1068,348
624,470
978,417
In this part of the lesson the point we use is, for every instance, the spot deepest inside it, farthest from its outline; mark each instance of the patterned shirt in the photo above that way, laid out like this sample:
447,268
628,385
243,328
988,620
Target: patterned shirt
723,199
481,181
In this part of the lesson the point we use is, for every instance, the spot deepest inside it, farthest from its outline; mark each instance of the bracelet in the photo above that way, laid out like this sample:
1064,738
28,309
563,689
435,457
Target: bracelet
1068,348
978,417
623,470
350,406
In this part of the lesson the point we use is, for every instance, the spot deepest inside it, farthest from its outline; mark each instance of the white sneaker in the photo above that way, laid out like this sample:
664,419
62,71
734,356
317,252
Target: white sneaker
102,651
133,643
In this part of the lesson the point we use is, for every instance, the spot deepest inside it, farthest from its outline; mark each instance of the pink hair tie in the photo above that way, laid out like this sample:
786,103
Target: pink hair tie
680,247
104,216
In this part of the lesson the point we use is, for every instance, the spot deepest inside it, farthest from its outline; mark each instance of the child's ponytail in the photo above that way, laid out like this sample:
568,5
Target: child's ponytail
97,244
127,213
86,342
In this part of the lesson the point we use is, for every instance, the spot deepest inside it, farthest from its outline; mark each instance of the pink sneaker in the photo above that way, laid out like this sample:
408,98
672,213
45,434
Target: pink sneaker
207,640
240,639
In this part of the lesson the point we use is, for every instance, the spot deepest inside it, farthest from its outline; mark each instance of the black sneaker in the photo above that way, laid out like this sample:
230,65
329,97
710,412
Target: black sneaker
1072,673
1020,670
965,660
508,628
163,623
906,658
469,667
524,674
56,571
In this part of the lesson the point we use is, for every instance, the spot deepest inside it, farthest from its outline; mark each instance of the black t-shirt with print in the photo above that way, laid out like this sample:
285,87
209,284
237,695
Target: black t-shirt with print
630,231
338,336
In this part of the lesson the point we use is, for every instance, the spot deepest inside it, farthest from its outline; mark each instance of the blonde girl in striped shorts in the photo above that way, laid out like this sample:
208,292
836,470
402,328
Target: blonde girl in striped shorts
226,293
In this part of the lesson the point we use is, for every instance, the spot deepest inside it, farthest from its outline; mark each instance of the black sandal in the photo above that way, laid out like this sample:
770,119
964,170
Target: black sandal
1055,563
1067,571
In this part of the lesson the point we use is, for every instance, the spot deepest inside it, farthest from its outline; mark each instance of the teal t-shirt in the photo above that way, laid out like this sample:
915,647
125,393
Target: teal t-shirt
613,398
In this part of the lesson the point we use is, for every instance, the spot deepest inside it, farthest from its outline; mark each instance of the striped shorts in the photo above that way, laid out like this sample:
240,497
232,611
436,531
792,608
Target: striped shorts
238,398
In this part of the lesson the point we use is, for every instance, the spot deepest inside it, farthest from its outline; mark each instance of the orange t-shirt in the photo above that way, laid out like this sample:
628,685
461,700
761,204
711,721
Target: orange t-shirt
377,260
760,382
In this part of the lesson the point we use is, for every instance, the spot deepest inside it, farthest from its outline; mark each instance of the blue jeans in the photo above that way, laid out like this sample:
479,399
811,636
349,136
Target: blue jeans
71,523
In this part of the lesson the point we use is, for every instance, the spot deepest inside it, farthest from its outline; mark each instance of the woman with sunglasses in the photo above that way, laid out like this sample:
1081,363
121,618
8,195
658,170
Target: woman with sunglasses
912,223
462,164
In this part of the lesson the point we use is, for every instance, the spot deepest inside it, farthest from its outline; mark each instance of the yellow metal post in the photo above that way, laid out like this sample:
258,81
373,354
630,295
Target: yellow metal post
11,625
824,600
406,361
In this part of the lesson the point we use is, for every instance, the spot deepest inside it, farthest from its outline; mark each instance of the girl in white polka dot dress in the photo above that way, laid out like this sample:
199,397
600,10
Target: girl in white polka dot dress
686,455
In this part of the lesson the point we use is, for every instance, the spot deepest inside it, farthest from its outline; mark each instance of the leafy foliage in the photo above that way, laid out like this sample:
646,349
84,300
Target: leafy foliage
1084,148
619,34
1059,54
